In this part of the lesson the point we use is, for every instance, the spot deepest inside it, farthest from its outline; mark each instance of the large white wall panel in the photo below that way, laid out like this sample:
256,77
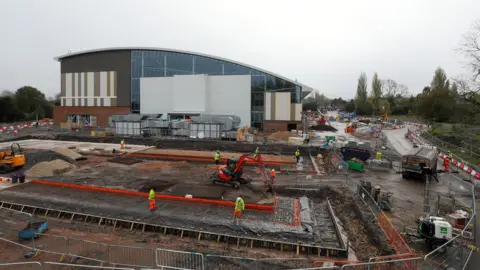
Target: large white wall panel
282,106
156,95
189,93
230,95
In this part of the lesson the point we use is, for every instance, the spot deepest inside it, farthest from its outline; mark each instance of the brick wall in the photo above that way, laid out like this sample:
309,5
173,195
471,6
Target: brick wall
269,126
102,113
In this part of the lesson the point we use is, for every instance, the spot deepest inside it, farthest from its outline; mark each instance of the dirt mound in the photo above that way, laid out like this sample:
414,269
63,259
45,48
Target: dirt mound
323,127
49,168
33,157
281,136
151,166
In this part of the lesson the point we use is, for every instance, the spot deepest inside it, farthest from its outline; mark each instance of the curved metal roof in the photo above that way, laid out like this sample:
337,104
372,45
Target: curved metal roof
59,58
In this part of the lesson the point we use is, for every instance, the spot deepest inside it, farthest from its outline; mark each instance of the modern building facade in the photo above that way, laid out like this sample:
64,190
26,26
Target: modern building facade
98,83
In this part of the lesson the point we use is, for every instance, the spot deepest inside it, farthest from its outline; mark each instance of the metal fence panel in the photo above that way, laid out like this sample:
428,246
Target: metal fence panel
61,266
283,263
22,266
87,249
51,243
389,264
219,262
131,256
174,259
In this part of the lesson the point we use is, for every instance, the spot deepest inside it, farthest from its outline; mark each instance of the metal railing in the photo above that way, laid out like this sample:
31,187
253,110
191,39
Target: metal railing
174,259
131,256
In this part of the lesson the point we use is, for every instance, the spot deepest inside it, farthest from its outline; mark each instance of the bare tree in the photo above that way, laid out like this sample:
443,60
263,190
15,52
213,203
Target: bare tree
391,88
469,86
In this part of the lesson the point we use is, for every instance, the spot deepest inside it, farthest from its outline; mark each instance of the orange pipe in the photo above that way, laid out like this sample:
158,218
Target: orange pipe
250,207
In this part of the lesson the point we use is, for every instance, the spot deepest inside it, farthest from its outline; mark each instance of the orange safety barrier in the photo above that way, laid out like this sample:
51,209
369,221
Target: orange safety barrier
194,158
396,240
250,207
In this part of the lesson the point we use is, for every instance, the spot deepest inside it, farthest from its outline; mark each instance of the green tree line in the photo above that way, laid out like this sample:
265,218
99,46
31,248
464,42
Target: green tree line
25,104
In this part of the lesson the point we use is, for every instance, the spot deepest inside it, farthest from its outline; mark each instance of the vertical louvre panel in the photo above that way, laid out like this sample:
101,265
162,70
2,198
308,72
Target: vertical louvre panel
75,87
82,89
90,88
112,83
68,89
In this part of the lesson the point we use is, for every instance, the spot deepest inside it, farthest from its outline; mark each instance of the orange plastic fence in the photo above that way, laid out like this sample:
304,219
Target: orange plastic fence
396,240
250,207
194,158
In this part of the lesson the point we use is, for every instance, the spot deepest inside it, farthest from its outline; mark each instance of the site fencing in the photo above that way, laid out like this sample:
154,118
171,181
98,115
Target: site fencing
174,259
131,256
87,249
22,265
61,266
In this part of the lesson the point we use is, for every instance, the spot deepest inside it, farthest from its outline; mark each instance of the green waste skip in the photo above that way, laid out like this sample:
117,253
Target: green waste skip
330,138
357,166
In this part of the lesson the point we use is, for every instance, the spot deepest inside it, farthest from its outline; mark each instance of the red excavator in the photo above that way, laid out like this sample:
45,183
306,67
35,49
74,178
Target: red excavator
232,173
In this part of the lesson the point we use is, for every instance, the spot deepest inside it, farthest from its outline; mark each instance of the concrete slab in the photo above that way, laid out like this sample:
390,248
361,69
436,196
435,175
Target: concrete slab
82,146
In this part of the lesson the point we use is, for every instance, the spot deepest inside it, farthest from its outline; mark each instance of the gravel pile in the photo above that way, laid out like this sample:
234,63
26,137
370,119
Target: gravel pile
49,168
33,157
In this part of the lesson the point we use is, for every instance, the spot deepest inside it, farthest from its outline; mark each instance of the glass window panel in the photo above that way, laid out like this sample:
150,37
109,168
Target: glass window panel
179,63
234,69
204,65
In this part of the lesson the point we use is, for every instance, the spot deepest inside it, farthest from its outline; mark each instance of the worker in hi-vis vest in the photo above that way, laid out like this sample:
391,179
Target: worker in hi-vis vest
151,200
297,155
239,207
216,157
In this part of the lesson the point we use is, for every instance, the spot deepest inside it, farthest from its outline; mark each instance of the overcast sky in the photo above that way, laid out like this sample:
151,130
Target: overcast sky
323,44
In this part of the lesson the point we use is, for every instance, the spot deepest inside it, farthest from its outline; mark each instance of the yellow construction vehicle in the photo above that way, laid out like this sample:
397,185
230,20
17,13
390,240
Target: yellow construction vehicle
13,159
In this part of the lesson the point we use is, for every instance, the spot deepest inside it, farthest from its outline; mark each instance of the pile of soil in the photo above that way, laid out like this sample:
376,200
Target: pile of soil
323,127
49,168
281,136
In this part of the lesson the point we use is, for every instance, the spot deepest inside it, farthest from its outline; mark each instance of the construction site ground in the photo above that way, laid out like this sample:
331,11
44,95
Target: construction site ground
186,177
